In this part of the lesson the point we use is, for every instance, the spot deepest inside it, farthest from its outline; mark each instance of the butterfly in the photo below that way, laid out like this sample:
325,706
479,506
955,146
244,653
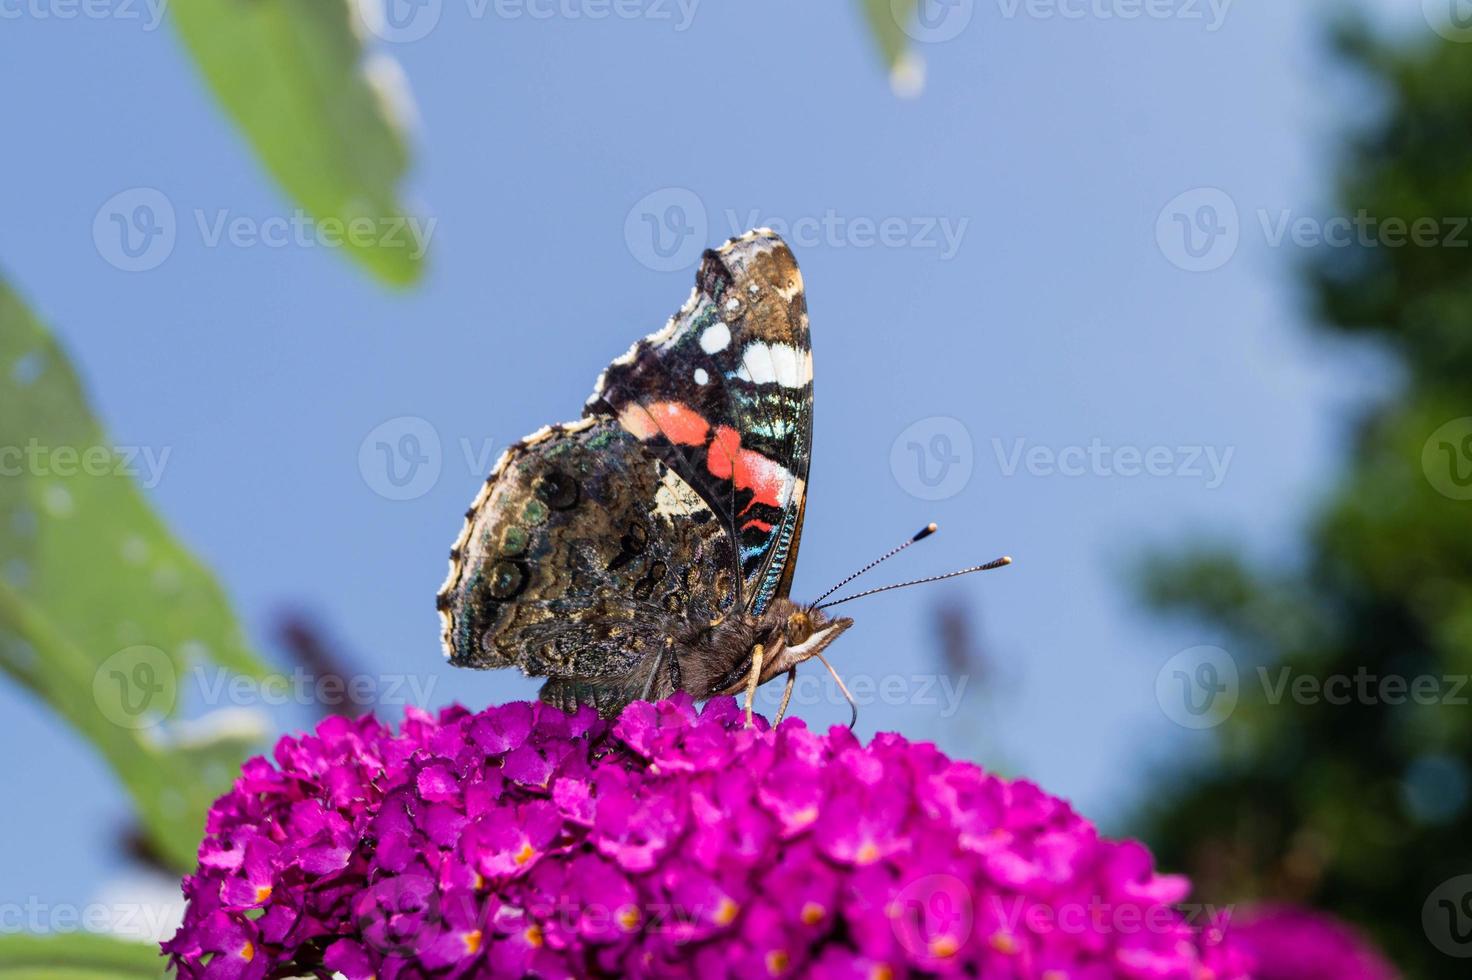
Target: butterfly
649,547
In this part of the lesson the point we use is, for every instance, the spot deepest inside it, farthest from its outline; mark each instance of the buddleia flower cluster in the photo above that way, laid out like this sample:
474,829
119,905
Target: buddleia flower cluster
524,841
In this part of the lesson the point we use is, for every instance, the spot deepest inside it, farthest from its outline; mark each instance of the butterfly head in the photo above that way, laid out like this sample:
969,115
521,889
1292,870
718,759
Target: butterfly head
809,630
795,633
719,661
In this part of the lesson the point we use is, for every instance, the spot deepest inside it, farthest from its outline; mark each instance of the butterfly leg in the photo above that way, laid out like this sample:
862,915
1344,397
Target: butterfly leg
786,695
853,706
756,675
648,693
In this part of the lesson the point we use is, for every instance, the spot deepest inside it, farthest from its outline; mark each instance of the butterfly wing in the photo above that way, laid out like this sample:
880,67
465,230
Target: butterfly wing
579,557
724,395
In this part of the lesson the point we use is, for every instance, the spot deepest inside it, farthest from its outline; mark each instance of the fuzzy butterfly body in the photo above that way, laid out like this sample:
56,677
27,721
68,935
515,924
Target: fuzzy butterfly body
649,547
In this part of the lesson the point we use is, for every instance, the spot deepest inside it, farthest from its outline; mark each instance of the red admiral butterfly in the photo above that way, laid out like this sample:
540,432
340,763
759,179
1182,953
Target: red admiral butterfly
649,547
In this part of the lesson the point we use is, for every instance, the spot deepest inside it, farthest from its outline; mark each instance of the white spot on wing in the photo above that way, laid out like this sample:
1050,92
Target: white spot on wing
715,338
781,364
701,377
786,361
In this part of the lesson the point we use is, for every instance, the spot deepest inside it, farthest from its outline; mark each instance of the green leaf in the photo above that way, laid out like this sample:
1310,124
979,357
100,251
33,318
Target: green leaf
102,611
292,75
79,955
885,18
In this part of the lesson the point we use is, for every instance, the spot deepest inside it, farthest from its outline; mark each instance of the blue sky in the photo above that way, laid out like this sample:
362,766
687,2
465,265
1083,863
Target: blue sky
1031,298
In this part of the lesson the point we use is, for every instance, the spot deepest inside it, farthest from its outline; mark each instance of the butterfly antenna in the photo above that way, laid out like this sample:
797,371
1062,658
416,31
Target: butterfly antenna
999,563
919,535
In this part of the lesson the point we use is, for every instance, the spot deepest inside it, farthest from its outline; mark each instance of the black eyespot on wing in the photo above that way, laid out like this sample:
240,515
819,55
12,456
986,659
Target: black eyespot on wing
637,538
630,546
558,490
644,588
507,580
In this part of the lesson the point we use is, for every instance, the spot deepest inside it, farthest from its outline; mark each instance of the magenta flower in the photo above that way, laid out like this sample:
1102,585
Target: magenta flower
524,841
1290,943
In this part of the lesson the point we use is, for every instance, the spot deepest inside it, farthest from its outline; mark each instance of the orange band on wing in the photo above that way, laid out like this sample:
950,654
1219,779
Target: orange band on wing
767,479
675,421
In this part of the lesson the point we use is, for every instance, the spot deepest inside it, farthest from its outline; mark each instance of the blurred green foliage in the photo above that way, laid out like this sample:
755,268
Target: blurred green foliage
102,610
323,117
1361,809
75,956
886,19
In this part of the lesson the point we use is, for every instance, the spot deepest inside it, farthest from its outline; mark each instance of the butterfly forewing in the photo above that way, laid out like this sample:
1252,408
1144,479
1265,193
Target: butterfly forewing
724,393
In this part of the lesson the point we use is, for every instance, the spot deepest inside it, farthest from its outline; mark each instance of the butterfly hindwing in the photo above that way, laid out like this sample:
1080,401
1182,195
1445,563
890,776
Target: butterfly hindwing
580,552
724,395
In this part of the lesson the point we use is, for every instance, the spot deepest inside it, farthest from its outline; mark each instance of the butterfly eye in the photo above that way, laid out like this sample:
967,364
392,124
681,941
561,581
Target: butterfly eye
799,628
558,490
